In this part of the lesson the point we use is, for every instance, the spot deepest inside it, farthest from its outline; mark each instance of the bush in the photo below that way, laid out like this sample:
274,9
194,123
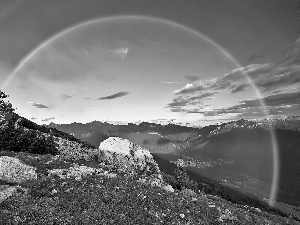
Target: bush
18,139
5,107
181,180
53,131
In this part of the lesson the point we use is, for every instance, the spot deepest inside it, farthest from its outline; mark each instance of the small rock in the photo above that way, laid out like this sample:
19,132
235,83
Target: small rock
110,175
194,199
54,191
257,209
168,188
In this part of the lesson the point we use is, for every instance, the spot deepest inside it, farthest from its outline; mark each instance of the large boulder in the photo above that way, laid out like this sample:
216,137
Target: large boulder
128,157
14,171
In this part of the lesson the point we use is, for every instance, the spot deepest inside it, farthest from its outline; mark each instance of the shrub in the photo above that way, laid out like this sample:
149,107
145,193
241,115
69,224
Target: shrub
18,139
181,180
52,131
6,108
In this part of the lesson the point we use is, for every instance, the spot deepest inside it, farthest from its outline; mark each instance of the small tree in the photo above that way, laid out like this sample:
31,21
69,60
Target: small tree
181,175
6,108
182,178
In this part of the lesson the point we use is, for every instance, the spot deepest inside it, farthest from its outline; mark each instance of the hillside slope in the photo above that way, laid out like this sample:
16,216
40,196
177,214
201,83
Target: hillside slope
106,198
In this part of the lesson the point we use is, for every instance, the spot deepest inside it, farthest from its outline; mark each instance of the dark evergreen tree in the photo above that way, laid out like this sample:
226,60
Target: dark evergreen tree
6,109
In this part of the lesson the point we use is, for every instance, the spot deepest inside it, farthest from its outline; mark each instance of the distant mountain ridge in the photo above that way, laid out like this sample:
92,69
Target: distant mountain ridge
148,135
181,136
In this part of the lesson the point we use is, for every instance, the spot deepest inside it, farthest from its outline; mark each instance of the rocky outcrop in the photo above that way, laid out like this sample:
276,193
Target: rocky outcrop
14,171
128,157
78,172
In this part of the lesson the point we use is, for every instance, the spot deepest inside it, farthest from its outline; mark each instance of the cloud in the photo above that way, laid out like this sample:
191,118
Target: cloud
277,82
197,101
239,88
121,52
116,95
66,96
199,85
266,77
278,104
178,102
282,99
202,96
170,82
22,87
87,98
33,118
38,105
280,80
47,119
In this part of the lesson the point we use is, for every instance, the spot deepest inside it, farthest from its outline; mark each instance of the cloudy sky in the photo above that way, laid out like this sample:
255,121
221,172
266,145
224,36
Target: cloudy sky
198,61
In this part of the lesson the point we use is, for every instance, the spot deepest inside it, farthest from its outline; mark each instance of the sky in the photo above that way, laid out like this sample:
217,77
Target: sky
196,61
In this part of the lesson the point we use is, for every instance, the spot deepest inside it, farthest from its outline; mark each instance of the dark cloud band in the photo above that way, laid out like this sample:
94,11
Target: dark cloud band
116,95
38,105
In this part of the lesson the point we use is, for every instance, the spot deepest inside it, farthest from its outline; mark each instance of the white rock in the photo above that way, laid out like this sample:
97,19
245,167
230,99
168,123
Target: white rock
13,170
54,191
108,175
168,188
128,157
7,192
